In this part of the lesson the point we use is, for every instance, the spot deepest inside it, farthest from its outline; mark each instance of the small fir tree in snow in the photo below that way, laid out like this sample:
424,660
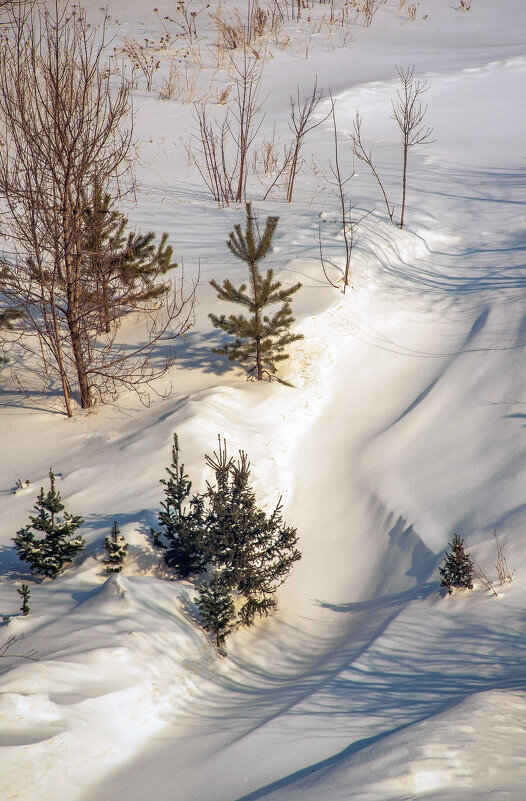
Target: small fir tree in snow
458,567
252,552
260,339
216,607
48,554
119,272
117,548
181,534
224,529
25,594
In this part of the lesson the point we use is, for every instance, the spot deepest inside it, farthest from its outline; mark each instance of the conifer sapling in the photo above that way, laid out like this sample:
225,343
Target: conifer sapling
117,548
458,567
216,607
253,552
25,595
48,554
119,272
224,529
181,527
261,338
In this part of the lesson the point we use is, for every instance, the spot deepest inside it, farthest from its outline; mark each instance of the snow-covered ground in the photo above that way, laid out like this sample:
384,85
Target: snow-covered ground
405,425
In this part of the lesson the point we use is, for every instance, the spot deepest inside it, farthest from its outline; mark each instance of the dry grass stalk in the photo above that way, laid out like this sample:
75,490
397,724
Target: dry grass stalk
504,574
145,56
483,578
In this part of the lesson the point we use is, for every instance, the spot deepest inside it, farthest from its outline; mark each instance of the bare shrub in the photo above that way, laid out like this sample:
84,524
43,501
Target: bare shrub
362,154
230,31
409,114
302,122
145,56
185,18
66,127
346,210
224,146
213,159
368,10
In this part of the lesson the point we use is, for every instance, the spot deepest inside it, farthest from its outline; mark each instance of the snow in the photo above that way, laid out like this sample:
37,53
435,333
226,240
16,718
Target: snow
404,425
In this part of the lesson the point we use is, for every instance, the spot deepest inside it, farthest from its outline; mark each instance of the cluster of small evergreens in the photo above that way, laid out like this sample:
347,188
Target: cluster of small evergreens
244,553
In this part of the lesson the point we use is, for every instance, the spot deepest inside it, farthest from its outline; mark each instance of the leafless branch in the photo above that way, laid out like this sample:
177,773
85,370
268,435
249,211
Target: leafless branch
301,123
409,114
362,154
12,641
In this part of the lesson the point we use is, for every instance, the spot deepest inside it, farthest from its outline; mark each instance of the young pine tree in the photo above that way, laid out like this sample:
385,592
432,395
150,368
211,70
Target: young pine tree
7,317
217,611
117,548
260,338
458,567
48,554
252,552
120,272
25,595
182,533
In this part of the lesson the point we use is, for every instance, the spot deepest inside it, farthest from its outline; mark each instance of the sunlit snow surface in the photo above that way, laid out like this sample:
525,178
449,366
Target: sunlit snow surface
405,424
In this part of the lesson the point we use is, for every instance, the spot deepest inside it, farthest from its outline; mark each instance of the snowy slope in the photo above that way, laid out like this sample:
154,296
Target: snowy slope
405,425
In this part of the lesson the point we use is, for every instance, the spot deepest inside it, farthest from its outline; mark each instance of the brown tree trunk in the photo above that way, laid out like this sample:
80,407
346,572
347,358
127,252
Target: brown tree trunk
86,400
404,178
259,365
60,361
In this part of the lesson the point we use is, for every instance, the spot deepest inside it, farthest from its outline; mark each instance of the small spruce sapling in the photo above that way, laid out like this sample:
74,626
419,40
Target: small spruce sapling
120,273
48,554
25,594
458,567
254,553
260,338
224,529
117,548
216,607
181,534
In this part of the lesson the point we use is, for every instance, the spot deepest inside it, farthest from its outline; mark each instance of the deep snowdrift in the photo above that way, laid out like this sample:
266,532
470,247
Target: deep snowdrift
405,425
